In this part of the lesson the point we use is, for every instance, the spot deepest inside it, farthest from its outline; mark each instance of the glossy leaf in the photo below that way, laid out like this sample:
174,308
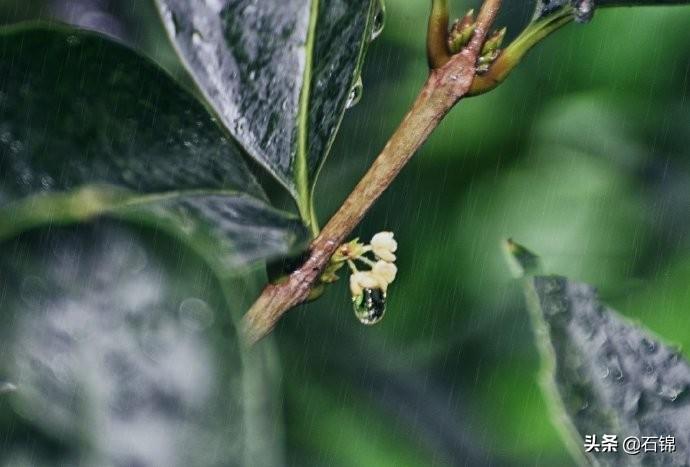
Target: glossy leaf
278,73
606,375
118,353
88,127
584,9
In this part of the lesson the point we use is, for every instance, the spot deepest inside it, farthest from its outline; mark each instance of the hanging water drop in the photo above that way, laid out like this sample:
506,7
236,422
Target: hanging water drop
6,387
197,38
370,306
379,20
355,93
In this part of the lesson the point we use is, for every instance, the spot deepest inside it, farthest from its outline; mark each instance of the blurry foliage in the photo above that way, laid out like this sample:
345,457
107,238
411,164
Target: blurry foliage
582,154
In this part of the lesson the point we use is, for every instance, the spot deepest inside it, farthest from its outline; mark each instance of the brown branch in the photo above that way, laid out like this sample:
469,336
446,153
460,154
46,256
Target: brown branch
443,89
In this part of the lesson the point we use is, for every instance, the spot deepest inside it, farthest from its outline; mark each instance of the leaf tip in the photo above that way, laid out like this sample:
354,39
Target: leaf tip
522,262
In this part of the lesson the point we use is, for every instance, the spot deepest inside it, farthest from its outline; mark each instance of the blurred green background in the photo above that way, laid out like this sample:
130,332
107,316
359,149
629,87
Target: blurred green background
582,156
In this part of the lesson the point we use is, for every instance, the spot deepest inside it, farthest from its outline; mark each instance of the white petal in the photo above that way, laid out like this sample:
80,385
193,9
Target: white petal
384,254
363,280
385,271
355,288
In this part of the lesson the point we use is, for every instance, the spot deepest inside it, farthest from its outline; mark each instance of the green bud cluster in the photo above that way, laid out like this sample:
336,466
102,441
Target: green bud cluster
461,33
491,50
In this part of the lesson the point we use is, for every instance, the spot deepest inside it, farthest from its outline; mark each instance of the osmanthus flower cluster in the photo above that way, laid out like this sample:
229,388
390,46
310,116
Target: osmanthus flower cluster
368,286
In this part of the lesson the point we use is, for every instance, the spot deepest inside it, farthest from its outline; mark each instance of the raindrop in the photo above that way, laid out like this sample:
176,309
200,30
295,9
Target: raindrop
197,39
72,40
6,387
215,5
370,306
196,314
355,93
47,182
171,20
16,146
649,346
553,286
379,19
558,306
671,393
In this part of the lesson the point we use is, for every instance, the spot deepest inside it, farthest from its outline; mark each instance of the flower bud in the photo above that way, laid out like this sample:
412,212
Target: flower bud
361,280
385,273
383,245
350,250
461,32
494,41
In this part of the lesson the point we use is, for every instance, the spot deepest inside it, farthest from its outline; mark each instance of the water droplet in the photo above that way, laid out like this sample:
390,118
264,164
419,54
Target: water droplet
553,286
649,346
355,93
6,387
215,5
72,40
370,306
379,19
196,314
671,393
197,39
170,20
16,146
557,306
47,182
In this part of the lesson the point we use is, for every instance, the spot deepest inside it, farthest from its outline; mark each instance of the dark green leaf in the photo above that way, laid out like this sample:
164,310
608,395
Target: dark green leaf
606,375
584,9
278,73
115,352
88,127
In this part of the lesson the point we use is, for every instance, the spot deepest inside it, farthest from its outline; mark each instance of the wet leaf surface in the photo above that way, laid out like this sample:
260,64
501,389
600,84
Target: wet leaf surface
279,74
118,353
606,375
89,127
584,9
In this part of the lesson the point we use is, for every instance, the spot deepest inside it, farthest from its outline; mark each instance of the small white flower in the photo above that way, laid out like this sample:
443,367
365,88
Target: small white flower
383,245
361,280
385,273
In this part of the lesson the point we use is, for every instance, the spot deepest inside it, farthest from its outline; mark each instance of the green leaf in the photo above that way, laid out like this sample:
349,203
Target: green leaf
584,9
606,375
89,127
278,73
115,352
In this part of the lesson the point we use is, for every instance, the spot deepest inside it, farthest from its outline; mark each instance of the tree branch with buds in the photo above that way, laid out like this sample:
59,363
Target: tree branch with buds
447,83
464,60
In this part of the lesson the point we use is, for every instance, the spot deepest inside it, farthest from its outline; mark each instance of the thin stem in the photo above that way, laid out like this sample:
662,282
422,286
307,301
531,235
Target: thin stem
351,264
442,90
535,33
366,261
437,35
511,56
